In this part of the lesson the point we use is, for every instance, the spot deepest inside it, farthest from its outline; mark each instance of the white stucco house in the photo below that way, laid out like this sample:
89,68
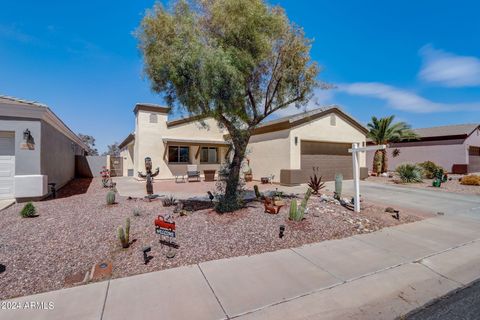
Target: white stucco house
286,149
36,148
455,147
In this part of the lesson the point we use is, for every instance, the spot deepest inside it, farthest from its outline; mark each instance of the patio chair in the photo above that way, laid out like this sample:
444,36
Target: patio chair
192,172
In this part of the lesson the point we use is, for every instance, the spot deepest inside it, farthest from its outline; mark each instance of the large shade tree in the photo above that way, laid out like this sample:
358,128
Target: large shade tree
235,61
384,131
90,143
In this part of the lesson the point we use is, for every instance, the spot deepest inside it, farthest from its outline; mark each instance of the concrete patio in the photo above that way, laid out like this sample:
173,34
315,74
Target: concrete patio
380,275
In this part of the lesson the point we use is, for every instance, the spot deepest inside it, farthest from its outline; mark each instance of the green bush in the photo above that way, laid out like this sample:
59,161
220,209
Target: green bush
431,170
169,201
409,173
28,210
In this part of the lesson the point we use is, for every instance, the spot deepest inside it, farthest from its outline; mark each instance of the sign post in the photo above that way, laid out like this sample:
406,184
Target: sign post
356,169
165,226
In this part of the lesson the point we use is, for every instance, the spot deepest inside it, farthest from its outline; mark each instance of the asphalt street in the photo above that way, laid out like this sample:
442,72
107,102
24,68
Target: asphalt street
425,200
461,305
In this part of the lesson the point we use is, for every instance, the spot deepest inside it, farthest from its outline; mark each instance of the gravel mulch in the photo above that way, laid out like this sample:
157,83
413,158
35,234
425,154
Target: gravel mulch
453,185
78,230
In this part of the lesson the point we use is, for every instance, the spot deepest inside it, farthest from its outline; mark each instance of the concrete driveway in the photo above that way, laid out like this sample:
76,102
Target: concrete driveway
418,199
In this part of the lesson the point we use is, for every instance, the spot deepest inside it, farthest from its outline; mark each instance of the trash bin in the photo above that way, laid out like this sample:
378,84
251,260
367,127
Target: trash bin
209,175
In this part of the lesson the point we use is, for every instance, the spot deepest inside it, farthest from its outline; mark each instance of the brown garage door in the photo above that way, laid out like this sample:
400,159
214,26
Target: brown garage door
474,159
330,158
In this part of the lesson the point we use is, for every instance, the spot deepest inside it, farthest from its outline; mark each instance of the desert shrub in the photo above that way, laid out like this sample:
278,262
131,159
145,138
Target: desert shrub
136,212
315,182
169,201
28,210
409,173
431,169
471,180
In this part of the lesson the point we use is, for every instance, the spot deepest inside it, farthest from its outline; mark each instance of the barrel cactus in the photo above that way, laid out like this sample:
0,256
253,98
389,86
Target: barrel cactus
124,236
110,197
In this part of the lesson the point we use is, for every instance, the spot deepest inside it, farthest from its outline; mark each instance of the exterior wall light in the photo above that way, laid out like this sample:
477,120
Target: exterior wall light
296,140
27,135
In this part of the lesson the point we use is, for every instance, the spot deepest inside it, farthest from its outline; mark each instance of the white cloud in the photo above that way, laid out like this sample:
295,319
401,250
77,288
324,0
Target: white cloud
402,99
449,69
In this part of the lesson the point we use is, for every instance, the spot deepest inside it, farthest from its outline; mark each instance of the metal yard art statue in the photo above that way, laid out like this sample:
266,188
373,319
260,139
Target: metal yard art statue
149,175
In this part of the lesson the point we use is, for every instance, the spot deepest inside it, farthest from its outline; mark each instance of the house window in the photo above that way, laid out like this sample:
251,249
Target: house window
178,154
333,120
153,118
209,155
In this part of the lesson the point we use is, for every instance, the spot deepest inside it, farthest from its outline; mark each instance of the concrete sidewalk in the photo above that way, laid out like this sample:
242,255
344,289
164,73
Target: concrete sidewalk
5,203
380,275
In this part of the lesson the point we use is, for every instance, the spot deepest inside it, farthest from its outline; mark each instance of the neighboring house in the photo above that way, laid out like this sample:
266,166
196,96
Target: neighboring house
36,148
287,148
456,148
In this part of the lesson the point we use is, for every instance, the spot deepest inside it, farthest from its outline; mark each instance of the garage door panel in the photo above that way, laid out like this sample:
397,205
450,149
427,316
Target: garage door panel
328,165
474,164
7,164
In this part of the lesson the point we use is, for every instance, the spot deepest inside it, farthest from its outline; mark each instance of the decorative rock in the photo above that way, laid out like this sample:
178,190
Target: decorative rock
389,210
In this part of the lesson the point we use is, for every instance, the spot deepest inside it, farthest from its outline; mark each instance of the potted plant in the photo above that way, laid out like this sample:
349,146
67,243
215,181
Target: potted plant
277,199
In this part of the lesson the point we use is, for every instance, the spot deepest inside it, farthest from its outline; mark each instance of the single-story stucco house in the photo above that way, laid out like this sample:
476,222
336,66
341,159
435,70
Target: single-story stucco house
286,149
36,148
455,147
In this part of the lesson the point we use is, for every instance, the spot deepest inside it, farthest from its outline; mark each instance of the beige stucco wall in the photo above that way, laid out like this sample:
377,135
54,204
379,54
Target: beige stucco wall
321,130
127,153
149,143
269,153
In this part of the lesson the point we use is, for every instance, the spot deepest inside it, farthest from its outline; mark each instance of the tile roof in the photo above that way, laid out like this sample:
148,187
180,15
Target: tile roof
13,100
451,130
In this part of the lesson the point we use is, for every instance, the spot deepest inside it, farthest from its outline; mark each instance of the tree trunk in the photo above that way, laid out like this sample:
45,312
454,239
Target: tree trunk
384,161
377,162
231,199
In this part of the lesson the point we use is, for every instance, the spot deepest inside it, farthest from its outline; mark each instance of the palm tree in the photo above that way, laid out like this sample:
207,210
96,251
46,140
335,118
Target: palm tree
384,131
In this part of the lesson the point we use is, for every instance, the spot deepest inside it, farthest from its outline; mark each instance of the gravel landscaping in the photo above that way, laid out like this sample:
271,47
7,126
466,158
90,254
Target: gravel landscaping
78,230
449,186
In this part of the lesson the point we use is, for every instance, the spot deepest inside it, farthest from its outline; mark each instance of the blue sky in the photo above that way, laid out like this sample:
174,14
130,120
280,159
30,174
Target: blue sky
419,60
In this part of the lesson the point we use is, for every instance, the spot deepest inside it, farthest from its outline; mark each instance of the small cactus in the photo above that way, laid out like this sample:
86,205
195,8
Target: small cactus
124,236
110,197
297,213
338,185
257,192
293,210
